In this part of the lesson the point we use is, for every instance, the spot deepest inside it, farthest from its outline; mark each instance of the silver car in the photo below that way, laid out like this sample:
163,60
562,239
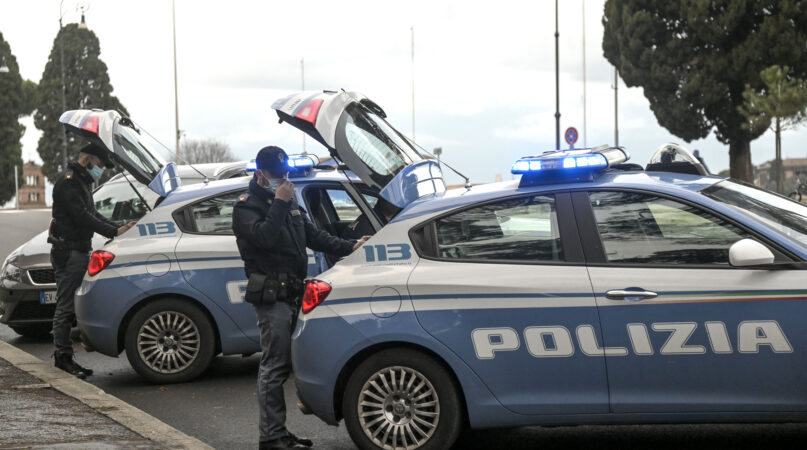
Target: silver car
27,284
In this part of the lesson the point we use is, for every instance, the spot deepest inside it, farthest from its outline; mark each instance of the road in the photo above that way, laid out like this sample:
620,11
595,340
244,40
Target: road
220,408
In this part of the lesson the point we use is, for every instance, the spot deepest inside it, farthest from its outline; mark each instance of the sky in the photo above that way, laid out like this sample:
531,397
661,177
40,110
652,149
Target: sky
483,76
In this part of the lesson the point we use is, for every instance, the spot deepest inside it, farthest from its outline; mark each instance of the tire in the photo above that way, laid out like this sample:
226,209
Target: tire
795,195
170,341
38,331
430,417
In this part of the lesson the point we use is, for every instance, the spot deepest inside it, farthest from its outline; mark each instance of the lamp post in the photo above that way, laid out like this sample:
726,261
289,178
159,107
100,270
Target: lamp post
61,67
176,93
557,82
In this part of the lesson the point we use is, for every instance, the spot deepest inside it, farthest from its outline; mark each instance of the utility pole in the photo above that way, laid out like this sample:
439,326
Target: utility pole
557,82
176,93
413,83
302,84
616,108
64,102
16,189
585,141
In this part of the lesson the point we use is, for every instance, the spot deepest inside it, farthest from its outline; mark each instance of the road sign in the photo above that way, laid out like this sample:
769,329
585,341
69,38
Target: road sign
570,135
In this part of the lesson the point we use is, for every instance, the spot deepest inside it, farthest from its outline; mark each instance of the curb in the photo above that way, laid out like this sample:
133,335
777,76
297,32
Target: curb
116,409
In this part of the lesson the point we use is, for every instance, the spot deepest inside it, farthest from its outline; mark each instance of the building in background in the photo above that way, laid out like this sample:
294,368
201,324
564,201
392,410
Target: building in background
32,191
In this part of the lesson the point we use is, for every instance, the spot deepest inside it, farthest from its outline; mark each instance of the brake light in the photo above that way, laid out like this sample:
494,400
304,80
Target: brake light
91,124
309,111
99,260
315,293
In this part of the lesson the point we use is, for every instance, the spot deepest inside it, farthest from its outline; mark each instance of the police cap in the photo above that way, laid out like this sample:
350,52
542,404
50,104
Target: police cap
100,152
272,159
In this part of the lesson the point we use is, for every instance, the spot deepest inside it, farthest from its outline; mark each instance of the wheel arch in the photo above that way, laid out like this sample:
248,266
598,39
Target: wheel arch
358,358
124,324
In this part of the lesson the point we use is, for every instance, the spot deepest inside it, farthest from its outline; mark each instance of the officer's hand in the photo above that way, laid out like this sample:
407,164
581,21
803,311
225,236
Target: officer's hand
285,190
125,228
361,241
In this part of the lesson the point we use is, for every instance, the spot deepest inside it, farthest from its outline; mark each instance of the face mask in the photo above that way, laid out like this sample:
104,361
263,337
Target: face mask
95,173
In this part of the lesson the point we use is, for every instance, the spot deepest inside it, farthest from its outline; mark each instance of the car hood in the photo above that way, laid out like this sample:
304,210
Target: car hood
35,253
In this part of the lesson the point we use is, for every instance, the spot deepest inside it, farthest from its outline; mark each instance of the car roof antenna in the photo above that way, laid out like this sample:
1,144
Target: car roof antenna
467,180
206,179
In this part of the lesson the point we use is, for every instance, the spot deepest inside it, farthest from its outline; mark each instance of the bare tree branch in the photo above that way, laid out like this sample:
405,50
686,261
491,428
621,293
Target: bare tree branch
200,151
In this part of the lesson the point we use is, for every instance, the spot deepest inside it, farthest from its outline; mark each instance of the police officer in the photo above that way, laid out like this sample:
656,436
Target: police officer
74,222
272,233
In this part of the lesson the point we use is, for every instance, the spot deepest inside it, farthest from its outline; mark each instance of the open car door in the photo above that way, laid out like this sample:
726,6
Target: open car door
354,130
122,140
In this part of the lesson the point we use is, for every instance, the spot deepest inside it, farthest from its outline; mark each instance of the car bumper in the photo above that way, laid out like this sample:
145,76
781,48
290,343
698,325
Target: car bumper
320,349
20,304
100,311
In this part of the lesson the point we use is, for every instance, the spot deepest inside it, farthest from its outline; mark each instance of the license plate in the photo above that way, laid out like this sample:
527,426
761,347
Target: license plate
47,297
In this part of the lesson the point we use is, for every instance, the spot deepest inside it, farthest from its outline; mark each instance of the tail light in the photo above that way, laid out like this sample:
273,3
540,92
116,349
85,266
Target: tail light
315,293
99,260
309,111
91,124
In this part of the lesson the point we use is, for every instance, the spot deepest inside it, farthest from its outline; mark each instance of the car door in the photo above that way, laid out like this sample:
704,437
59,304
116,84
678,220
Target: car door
691,333
503,285
354,130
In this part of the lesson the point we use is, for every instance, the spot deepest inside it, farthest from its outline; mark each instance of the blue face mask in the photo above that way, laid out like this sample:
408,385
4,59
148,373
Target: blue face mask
95,173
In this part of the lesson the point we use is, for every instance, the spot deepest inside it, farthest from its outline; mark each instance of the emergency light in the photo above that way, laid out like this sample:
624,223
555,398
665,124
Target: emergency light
567,165
297,164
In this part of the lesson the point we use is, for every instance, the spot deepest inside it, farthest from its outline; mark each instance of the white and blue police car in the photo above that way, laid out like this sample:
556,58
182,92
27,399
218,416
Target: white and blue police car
591,290
170,292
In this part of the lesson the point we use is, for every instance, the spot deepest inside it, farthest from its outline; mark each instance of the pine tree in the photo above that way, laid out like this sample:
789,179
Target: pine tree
780,105
695,58
86,84
11,130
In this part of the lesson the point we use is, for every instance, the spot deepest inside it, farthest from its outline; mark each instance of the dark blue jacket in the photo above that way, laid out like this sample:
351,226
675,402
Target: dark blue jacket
272,235
74,209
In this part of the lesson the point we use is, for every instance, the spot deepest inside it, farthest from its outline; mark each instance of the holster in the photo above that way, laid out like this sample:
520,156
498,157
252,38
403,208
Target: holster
264,289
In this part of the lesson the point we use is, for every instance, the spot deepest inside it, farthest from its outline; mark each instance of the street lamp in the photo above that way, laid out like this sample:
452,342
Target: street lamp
438,151
61,67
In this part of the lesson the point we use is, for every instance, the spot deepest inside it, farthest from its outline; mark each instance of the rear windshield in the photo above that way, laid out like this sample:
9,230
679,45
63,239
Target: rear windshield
778,212
130,145
376,148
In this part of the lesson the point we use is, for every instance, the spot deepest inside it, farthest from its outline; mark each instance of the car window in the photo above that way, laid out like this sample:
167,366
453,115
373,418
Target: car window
524,229
642,228
215,215
118,201
344,206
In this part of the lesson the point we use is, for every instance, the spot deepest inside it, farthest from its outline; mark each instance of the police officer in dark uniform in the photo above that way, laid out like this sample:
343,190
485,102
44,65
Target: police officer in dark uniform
272,233
74,222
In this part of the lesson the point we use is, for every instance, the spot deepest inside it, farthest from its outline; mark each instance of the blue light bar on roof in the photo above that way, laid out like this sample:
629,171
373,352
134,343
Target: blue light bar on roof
295,163
599,158
300,163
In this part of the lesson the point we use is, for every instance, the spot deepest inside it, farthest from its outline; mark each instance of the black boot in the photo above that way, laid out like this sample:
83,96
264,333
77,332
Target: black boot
284,443
301,440
66,363
86,371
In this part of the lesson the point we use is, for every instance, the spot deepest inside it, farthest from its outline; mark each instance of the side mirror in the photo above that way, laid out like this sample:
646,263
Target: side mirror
748,252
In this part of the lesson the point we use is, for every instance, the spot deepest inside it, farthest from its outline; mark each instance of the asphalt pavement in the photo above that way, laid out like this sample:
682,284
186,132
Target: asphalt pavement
220,409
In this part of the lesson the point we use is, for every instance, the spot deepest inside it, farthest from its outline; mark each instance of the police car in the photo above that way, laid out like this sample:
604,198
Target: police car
590,290
170,292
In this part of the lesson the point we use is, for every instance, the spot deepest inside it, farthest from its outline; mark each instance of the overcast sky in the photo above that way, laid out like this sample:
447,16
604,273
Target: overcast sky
484,72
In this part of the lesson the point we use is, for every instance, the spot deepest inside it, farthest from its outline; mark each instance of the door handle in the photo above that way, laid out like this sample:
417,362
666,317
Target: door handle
630,294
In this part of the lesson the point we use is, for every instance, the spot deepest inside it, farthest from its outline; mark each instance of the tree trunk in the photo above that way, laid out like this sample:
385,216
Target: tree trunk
740,160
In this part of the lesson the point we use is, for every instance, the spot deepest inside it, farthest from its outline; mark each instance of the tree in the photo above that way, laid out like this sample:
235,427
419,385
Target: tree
87,86
694,59
780,105
199,151
11,130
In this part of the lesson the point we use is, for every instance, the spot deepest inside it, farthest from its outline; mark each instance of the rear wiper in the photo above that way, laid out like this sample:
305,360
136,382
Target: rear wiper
127,122
145,203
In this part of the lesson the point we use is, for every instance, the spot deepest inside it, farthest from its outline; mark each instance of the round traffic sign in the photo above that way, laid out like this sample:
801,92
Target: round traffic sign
570,135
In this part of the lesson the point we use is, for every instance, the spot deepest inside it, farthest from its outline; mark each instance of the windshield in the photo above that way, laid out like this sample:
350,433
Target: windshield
780,213
131,147
377,152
